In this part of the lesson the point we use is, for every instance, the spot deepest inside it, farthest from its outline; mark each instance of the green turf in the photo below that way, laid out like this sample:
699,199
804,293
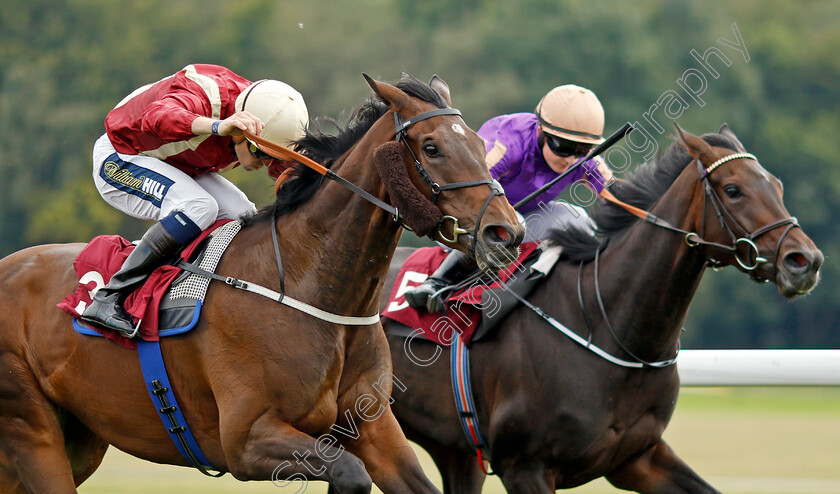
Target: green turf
742,440
811,401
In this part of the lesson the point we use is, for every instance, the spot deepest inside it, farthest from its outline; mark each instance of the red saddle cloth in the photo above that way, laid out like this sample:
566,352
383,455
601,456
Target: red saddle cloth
100,259
463,308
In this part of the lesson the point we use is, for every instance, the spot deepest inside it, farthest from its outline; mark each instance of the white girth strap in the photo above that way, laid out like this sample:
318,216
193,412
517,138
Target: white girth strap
204,272
304,307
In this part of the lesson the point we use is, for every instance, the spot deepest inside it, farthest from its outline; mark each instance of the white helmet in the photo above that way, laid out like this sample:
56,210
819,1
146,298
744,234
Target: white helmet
279,106
572,112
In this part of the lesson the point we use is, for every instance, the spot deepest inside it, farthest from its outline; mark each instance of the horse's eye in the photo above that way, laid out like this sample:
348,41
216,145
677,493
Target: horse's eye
431,150
733,191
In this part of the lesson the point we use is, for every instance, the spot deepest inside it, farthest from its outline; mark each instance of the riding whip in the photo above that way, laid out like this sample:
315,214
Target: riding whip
617,136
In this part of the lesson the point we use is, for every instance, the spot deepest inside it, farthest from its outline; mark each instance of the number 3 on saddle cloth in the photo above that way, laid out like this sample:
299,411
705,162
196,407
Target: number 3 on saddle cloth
472,310
169,302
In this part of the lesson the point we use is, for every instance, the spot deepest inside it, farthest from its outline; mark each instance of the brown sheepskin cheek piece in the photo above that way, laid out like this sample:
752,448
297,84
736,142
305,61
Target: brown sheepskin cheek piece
418,212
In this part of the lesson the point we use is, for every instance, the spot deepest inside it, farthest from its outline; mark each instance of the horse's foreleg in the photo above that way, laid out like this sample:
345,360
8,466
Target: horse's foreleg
278,452
658,470
84,449
527,480
387,455
460,471
32,454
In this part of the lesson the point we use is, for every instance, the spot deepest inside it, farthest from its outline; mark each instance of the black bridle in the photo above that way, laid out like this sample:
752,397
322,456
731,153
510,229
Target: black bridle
743,237
693,240
401,129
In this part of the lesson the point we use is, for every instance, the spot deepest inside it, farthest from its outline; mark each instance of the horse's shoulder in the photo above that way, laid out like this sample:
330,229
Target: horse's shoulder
43,269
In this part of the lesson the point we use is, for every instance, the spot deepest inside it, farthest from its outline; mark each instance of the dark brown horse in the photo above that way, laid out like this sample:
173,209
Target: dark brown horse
261,385
557,415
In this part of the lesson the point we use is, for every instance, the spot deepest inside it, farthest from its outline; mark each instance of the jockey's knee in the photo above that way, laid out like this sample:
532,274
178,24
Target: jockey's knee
202,210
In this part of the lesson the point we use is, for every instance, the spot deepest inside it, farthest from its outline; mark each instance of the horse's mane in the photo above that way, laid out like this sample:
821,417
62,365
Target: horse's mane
327,148
642,189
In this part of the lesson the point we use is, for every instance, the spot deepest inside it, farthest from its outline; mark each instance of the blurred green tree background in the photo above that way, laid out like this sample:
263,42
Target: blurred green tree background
64,65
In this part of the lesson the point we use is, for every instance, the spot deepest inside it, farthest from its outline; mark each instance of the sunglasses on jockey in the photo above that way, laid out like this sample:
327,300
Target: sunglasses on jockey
565,148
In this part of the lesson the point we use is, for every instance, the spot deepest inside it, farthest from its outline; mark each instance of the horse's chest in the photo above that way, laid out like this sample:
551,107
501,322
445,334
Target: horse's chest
587,429
601,436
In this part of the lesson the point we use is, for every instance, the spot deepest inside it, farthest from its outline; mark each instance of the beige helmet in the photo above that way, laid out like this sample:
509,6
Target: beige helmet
572,112
279,106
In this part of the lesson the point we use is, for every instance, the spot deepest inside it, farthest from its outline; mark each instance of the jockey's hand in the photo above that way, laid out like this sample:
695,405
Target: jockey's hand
239,121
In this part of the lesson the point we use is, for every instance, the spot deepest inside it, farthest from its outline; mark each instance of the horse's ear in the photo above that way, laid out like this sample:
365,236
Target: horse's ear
391,95
726,132
696,147
441,87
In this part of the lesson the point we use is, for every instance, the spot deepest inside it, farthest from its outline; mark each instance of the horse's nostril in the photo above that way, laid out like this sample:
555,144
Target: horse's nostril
501,233
796,261
501,236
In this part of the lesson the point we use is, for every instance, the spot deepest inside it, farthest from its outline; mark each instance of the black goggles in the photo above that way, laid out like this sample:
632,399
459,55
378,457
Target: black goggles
565,148
257,152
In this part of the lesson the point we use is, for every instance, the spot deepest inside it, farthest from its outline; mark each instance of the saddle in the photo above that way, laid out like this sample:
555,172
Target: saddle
169,301
475,307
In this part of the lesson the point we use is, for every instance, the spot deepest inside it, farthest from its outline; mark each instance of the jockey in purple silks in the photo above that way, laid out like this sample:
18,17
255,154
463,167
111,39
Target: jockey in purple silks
524,152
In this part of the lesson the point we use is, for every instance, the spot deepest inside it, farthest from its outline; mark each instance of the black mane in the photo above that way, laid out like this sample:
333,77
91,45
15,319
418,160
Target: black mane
326,148
641,189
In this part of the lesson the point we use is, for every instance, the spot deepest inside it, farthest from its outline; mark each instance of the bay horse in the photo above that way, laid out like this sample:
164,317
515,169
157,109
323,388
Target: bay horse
555,415
270,393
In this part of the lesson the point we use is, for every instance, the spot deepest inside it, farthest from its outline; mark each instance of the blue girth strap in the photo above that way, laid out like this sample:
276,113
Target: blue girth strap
160,390
460,360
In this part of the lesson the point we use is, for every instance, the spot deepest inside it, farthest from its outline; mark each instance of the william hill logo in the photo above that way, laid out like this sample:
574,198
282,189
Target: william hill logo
137,181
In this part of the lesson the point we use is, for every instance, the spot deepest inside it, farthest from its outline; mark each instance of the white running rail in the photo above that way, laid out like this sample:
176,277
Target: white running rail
759,367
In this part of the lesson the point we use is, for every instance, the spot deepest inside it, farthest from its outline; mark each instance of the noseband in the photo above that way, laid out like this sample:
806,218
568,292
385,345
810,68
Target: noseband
401,127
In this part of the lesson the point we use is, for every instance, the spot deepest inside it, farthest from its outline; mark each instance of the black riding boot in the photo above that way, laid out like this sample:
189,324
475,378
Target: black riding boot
106,310
430,293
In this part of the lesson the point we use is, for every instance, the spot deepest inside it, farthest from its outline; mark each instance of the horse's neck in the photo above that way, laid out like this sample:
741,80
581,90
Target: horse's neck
349,240
647,279
652,297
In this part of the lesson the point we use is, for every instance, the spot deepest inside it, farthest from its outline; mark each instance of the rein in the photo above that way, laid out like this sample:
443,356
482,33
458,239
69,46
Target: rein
284,153
401,131
587,342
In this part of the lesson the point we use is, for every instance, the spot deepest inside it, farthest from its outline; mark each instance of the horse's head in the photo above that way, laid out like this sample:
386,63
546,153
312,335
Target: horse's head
742,210
436,177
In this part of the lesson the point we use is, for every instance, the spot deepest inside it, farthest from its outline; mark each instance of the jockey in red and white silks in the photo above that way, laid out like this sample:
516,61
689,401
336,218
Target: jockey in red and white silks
161,157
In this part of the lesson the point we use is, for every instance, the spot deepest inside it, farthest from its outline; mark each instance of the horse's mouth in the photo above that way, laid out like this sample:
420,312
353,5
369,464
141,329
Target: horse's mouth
793,286
496,259
791,291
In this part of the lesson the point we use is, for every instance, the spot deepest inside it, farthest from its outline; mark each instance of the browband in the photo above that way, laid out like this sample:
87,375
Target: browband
726,158
402,124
